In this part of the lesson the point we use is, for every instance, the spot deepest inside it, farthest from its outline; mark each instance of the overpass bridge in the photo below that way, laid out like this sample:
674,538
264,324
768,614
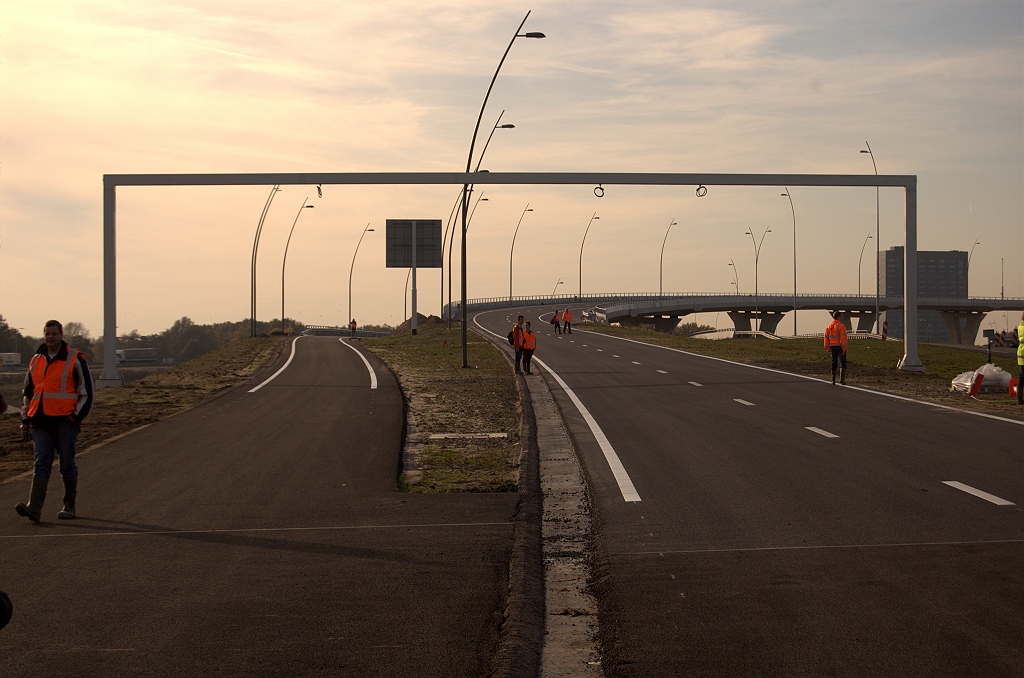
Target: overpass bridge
666,311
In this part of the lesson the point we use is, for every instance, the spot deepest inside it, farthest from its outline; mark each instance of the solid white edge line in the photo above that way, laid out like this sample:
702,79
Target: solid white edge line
283,367
978,493
373,375
629,492
821,432
741,401
804,376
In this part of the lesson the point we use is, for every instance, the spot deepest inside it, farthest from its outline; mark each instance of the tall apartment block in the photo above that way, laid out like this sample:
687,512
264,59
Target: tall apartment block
939,275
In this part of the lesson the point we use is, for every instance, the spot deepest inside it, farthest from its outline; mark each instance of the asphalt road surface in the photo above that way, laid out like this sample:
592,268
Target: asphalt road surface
752,522
260,533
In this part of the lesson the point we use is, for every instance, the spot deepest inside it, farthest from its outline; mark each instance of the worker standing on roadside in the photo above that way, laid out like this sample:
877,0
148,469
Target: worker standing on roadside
516,339
352,327
1020,361
566,321
529,346
58,396
835,341
554,322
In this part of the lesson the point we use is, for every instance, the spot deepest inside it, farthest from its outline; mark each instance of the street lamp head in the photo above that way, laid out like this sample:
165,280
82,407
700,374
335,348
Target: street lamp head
529,209
863,151
309,207
507,126
484,199
785,195
532,34
369,230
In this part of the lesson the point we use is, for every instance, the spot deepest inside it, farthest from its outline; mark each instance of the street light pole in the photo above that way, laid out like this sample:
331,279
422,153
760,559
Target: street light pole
861,261
556,286
352,267
285,259
976,243
465,187
793,210
736,276
878,243
584,242
255,247
512,250
757,255
661,266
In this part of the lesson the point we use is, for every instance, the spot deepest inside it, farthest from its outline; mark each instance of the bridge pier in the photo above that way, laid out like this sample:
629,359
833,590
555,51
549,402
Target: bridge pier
741,320
969,334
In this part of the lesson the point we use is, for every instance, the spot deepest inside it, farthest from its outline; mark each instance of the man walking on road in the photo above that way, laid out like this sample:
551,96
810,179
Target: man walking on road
517,343
58,396
554,322
529,346
835,341
1020,361
566,320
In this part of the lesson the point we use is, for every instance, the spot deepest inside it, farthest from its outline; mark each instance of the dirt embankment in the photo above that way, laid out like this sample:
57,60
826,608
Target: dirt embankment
444,398
142,401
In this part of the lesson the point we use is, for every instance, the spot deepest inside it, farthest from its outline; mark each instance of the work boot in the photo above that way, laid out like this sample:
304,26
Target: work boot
70,492
833,377
36,497
842,376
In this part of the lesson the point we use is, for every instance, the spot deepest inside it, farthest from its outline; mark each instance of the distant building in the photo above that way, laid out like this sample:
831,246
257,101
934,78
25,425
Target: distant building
939,275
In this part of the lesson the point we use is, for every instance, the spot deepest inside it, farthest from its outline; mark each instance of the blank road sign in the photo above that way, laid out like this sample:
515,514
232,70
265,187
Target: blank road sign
399,243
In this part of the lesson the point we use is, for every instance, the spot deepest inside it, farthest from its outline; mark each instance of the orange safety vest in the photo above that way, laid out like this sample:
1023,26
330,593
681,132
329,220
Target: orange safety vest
517,336
835,335
567,317
529,340
53,385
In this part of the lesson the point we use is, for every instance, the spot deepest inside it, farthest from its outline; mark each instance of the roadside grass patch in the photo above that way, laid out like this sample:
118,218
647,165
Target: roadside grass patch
443,397
871,363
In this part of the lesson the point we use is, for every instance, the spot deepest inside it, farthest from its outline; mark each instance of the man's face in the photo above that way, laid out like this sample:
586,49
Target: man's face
527,326
52,337
520,320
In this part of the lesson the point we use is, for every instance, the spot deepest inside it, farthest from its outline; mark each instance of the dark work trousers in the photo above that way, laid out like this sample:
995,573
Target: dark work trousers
519,357
527,357
838,355
568,327
558,328
59,437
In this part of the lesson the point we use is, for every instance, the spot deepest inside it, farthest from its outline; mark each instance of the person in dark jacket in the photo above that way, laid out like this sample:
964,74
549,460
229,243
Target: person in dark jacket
58,396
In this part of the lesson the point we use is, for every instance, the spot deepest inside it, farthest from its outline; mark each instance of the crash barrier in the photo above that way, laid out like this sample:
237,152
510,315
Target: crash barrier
325,331
1006,339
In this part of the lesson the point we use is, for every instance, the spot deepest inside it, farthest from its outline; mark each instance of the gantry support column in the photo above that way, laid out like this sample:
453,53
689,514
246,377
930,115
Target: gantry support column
110,375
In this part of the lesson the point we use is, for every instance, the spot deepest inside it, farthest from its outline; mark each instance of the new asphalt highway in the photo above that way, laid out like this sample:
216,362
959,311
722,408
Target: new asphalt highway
260,533
754,522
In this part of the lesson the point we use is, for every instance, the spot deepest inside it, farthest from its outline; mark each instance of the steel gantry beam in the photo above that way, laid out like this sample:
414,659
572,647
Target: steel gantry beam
910,361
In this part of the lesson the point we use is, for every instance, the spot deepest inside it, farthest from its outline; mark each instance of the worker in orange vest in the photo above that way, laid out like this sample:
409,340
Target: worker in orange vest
352,327
529,346
835,341
58,396
566,320
516,339
555,317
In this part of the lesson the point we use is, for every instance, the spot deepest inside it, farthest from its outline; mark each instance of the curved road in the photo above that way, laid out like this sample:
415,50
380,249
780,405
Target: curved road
259,533
754,522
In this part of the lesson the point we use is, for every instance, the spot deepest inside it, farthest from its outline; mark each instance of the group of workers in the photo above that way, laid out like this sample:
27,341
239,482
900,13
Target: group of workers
562,322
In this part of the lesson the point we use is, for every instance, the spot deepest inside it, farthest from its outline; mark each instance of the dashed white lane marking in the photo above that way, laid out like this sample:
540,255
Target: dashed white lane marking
821,432
584,346
614,356
629,492
373,375
283,367
741,401
663,371
635,362
978,493
600,350
695,383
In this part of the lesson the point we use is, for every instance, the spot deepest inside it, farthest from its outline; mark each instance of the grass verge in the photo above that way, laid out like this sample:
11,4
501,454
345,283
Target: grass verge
154,397
871,364
442,397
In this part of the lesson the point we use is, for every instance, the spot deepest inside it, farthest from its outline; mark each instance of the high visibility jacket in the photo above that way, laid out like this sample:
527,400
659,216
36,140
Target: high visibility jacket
517,336
835,335
1020,343
53,385
567,317
529,340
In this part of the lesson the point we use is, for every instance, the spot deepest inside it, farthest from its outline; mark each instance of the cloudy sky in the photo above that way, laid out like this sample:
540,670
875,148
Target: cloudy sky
93,87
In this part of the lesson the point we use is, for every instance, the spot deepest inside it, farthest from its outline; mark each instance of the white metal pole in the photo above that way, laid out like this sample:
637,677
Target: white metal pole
910,361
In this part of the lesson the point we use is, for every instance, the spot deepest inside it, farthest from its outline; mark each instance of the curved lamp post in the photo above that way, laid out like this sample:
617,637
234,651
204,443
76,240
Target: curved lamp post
757,255
735,276
255,247
878,273
465,187
661,266
584,242
976,243
556,286
352,267
861,260
285,259
513,249
793,210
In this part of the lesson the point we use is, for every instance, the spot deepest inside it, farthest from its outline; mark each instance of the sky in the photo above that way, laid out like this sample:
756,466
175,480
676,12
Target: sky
92,87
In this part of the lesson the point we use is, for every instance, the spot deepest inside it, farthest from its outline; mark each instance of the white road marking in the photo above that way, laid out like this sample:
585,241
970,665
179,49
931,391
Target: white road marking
635,362
821,432
629,492
663,371
584,346
600,350
283,368
614,356
741,401
696,384
822,381
978,493
373,376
